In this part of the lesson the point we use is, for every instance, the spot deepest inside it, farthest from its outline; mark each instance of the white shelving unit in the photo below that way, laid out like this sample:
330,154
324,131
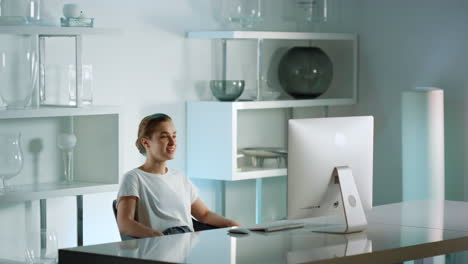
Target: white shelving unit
96,156
219,123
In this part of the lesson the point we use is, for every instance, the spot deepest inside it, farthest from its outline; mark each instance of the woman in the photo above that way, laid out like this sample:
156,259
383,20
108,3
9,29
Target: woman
154,200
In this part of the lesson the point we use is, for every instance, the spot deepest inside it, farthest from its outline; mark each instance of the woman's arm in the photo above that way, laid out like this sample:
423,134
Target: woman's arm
203,214
126,222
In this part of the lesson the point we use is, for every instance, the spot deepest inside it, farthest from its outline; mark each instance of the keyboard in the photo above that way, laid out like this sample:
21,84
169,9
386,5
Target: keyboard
277,227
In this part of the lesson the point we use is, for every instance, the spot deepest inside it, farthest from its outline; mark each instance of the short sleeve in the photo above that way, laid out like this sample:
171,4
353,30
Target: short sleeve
129,185
193,191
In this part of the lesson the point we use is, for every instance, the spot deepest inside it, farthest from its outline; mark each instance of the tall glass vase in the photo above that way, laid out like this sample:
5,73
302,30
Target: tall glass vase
67,142
18,71
11,157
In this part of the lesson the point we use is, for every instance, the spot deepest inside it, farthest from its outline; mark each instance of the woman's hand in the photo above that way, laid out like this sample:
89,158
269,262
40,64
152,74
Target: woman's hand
232,223
204,215
157,233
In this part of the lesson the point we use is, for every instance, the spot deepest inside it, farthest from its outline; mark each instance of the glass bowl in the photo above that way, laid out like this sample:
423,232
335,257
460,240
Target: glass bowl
227,90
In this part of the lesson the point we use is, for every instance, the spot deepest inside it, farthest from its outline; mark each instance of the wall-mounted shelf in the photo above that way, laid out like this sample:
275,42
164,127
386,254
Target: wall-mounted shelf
58,112
246,105
269,35
29,192
254,56
255,173
43,30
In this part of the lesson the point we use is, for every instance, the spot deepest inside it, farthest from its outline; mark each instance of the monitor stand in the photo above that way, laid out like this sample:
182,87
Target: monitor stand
353,211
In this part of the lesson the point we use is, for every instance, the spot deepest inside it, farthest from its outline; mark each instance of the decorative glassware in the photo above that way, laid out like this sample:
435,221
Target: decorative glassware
86,91
51,10
11,157
19,12
41,247
245,13
305,72
314,11
227,90
67,142
18,71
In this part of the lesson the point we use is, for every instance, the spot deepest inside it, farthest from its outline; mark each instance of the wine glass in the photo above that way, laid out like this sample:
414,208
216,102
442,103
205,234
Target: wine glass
67,142
11,157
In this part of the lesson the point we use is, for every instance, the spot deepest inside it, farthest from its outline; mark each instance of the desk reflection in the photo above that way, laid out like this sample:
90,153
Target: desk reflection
172,248
338,246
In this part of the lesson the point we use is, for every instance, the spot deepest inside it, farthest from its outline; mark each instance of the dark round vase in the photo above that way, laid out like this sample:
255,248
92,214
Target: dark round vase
305,72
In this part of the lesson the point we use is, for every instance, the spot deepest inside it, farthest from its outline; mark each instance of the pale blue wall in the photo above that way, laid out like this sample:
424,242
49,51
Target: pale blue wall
405,44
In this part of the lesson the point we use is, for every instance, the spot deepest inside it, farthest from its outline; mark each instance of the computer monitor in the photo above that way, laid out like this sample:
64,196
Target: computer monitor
315,148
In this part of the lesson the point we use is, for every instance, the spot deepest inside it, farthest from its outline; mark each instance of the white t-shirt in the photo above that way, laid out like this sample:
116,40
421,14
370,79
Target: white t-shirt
165,200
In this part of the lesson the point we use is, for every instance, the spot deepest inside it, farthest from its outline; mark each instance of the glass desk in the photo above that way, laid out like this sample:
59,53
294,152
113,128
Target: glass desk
396,233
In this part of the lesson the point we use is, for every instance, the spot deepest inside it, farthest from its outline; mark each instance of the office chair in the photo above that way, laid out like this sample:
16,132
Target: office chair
197,225
122,236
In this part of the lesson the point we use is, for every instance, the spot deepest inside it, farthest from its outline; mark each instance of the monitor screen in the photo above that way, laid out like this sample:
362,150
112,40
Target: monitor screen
315,148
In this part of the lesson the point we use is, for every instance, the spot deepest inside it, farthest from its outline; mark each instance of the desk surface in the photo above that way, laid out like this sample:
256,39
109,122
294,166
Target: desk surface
396,232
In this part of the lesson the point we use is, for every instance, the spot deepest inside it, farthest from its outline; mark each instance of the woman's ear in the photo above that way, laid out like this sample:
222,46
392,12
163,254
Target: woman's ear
144,142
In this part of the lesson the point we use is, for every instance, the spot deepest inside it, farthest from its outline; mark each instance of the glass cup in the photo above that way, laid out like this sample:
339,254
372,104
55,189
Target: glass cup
312,11
245,13
86,92
41,247
11,157
19,12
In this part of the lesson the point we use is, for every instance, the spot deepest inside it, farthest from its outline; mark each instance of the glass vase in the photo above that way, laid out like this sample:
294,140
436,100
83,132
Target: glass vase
11,157
18,71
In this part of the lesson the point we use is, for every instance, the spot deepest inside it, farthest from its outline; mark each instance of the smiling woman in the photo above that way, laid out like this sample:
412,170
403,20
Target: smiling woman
154,200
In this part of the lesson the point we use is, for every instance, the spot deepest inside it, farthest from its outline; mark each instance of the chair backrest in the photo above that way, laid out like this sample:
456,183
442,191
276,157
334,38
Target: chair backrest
122,236
199,226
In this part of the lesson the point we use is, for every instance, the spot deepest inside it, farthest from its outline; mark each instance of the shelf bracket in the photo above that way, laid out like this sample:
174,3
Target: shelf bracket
43,222
79,219
258,200
259,68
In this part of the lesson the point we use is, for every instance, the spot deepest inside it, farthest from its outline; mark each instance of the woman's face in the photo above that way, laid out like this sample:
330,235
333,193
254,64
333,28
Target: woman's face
162,144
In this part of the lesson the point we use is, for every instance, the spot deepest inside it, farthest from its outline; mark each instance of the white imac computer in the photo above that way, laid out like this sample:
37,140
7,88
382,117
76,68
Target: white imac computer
330,169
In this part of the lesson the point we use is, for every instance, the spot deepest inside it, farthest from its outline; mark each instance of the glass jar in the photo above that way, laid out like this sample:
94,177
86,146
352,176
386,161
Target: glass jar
18,71
243,13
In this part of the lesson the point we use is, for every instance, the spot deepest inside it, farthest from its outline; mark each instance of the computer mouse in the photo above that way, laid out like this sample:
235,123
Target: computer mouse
240,231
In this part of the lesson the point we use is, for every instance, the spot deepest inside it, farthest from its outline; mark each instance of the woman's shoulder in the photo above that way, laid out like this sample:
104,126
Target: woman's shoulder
132,174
